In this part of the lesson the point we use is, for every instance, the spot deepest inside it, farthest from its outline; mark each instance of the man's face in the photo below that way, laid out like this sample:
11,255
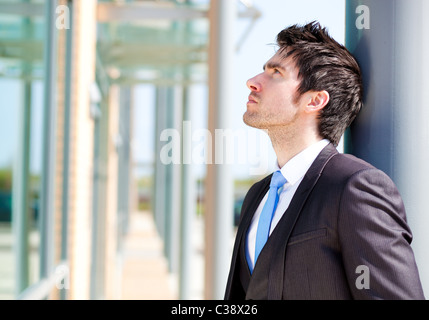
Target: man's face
272,101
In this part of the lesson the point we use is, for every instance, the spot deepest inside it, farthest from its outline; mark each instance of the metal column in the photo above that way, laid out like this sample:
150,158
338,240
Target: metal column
21,178
392,130
172,184
124,162
187,192
219,183
187,202
20,189
167,174
47,196
159,196
66,143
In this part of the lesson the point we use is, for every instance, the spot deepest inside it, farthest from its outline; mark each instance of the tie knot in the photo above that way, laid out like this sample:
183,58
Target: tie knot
277,180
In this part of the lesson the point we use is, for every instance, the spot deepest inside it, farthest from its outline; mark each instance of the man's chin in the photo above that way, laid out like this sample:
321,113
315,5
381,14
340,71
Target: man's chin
253,122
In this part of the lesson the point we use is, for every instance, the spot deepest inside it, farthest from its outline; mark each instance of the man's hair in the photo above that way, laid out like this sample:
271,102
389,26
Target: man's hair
324,64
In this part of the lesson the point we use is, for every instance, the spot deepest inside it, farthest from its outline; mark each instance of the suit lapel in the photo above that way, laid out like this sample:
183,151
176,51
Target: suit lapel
287,222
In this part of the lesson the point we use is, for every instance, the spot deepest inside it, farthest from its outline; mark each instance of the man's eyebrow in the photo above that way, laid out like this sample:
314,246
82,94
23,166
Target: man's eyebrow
273,65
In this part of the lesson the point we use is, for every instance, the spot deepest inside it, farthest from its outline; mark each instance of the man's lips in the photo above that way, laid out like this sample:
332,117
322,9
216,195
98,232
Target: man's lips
252,99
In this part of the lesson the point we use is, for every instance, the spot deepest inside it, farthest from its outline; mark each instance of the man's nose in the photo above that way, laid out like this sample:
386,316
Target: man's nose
254,84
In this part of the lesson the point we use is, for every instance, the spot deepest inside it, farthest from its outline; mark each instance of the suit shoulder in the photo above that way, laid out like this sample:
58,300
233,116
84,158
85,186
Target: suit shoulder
347,164
345,168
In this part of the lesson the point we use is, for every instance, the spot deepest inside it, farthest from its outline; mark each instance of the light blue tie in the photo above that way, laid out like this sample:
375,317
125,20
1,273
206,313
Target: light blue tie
264,224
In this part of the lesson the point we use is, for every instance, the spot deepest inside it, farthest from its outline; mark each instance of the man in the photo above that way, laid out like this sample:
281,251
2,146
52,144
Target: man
325,225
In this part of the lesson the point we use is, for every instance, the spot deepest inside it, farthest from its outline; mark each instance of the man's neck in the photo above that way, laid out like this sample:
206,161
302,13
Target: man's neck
287,145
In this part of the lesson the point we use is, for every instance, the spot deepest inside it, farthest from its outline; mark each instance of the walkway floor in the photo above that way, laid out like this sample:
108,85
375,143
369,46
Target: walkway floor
144,269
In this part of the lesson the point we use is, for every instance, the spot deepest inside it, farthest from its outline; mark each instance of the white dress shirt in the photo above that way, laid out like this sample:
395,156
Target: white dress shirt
293,171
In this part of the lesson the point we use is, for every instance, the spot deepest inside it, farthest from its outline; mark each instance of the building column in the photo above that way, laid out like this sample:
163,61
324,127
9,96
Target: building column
21,178
188,200
173,179
389,40
159,186
218,211
81,148
47,193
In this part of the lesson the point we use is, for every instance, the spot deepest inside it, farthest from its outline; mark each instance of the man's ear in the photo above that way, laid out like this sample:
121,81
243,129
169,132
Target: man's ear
318,100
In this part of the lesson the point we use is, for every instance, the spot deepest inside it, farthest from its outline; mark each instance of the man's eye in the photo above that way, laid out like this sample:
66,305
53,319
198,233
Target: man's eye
276,71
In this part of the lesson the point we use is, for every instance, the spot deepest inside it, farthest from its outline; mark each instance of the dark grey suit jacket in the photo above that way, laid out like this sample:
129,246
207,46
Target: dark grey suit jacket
345,226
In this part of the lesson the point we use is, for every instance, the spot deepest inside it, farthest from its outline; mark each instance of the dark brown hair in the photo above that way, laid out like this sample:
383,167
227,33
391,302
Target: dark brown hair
324,64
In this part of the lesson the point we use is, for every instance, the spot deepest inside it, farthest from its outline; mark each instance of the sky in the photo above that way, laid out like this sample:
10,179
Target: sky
256,156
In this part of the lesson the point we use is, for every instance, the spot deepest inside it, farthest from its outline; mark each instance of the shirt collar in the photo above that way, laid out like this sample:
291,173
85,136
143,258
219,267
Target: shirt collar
295,168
